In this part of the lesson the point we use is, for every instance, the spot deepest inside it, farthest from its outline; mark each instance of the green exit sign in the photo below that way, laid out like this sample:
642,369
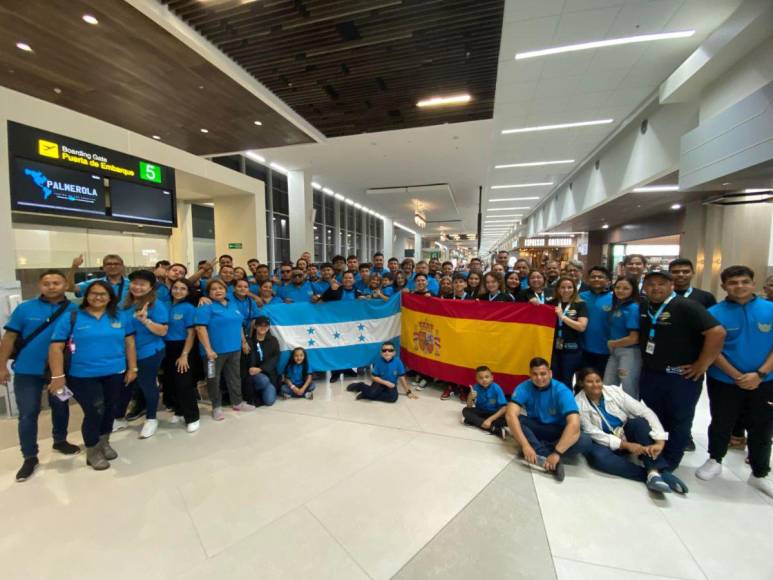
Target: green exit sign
150,172
235,246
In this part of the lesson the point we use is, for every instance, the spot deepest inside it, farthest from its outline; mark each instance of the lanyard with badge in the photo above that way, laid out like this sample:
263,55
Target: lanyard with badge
650,348
687,294
492,298
463,296
560,339
260,350
540,297
618,432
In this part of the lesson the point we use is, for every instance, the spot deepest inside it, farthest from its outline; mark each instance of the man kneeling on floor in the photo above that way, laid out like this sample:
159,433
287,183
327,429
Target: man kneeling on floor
387,372
551,429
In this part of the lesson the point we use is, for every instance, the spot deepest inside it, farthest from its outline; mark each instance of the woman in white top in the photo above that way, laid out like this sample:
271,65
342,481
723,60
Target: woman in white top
618,425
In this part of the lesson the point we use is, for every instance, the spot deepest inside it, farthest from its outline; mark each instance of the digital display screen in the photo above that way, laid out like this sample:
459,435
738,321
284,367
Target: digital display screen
44,188
137,203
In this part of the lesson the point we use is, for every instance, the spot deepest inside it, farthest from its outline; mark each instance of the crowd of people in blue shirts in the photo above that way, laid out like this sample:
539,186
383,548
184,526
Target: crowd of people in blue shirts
628,364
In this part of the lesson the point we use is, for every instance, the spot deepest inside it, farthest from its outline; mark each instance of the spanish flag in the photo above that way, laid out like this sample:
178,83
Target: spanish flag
448,339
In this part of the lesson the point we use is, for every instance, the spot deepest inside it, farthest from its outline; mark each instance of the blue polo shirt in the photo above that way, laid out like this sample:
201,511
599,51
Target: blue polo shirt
432,285
490,399
320,286
362,286
121,289
749,337
382,271
623,320
295,374
181,316
596,335
524,282
224,325
25,319
148,343
248,308
164,294
610,419
349,294
100,349
390,291
302,293
550,405
389,371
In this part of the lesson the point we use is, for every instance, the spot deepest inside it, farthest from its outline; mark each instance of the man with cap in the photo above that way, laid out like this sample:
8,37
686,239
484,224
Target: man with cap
264,356
679,340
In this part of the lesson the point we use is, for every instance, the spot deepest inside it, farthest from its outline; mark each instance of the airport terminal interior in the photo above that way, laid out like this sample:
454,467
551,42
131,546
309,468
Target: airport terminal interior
182,175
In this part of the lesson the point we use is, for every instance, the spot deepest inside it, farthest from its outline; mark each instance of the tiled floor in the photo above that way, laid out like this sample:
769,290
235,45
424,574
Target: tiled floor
336,488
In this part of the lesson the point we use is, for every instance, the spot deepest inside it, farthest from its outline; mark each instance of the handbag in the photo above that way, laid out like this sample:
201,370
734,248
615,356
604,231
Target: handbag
69,345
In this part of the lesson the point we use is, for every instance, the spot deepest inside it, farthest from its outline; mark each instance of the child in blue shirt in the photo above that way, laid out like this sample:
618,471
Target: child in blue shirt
296,378
486,404
387,372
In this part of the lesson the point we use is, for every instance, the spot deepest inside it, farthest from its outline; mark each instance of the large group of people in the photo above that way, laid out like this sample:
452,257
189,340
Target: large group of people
629,355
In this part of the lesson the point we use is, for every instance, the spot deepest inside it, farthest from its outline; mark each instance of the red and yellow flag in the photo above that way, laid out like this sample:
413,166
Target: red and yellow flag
448,339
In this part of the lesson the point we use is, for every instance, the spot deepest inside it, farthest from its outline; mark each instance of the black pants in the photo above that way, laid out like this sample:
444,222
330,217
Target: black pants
727,403
475,417
181,386
375,392
595,360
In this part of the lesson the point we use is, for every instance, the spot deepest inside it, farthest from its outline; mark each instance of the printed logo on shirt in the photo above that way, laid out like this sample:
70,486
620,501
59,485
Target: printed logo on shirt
618,314
571,313
177,317
665,316
607,307
763,327
116,324
425,338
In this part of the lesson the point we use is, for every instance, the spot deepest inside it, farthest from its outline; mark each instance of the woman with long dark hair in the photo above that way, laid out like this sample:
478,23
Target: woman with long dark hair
474,288
178,376
399,284
624,365
102,358
572,315
150,318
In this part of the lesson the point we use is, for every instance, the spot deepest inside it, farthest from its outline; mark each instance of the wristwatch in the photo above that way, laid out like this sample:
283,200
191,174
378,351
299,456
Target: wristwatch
761,374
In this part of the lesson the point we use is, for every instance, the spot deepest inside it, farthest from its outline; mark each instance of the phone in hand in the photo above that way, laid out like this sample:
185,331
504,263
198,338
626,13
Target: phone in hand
64,393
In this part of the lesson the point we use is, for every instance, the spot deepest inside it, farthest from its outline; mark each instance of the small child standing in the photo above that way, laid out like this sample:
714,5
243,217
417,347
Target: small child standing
387,372
486,404
296,378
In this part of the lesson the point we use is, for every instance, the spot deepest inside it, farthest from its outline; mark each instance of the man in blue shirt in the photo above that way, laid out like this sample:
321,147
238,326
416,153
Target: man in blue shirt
523,268
486,404
433,285
113,266
598,299
551,428
387,372
299,290
740,381
378,264
30,365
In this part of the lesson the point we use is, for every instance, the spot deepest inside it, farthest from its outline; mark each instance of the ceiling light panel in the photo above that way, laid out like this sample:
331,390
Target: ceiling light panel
534,164
519,185
443,101
656,188
605,43
557,126
507,208
515,198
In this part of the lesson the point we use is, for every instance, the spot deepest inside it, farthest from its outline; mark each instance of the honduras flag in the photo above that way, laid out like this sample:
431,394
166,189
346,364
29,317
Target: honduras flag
336,335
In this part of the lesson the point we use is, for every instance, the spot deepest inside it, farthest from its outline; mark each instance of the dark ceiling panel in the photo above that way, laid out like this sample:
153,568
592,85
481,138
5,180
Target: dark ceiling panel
128,71
353,66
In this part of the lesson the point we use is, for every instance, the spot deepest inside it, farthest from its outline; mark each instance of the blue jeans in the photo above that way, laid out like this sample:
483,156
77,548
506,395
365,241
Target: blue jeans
147,372
285,389
264,388
27,389
565,363
96,396
543,437
637,430
673,398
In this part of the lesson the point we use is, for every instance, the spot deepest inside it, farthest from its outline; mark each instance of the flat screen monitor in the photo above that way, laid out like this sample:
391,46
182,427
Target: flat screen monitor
43,188
137,203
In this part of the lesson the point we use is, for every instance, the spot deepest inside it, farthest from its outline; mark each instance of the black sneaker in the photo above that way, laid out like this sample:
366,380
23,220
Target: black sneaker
27,469
66,448
135,413
690,445
558,472
335,377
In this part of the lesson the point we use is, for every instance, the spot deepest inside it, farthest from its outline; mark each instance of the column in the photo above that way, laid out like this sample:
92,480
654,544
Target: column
240,226
338,226
366,252
10,290
181,241
417,246
300,198
389,239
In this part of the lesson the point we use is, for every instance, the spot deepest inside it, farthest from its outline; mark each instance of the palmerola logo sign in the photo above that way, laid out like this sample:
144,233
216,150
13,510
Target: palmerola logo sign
60,189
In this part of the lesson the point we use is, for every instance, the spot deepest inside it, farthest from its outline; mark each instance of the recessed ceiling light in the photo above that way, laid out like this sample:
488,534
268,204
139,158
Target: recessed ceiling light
349,201
506,215
358,206
676,206
756,190
534,164
316,185
204,130
156,137
57,90
328,191
278,167
605,43
655,188
339,196
90,19
517,185
515,198
441,101
605,227
726,183
255,157
558,126
258,123
24,46
507,208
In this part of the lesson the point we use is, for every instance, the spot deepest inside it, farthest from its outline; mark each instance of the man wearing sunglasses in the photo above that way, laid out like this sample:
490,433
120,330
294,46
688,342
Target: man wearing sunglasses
387,372
298,290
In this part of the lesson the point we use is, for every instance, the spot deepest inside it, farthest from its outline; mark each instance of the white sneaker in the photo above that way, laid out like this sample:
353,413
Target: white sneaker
193,427
149,428
119,424
763,484
177,419
708,470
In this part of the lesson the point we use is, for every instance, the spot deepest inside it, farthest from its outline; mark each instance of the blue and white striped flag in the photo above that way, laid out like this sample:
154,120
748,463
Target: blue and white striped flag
336,335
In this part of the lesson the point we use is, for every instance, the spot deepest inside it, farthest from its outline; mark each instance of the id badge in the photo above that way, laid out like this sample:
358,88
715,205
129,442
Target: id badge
559,344
650,348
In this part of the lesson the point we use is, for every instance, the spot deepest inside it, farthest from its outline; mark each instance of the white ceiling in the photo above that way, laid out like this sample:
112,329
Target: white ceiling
580,86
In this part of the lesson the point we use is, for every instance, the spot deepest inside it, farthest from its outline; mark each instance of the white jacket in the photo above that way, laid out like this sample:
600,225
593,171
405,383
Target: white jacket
623,406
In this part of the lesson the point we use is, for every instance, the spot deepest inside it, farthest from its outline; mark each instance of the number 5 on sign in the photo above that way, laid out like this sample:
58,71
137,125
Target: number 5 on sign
150,172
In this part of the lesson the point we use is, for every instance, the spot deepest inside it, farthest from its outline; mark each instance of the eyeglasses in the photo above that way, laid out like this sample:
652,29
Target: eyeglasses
297,275
387,350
